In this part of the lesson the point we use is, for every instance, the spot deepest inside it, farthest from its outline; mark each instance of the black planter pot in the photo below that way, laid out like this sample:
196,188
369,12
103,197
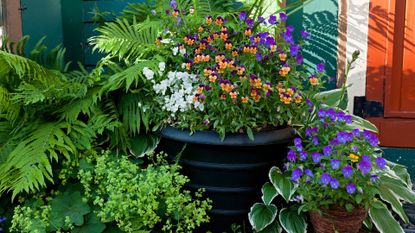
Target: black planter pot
231,171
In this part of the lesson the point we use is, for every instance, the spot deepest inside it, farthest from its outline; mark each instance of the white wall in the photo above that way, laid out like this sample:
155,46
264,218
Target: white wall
357,39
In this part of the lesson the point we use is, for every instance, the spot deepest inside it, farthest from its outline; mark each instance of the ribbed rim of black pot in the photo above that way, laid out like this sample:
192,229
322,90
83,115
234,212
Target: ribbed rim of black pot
212,138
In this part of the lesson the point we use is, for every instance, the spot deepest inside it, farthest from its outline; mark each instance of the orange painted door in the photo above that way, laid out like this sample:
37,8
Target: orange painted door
391,69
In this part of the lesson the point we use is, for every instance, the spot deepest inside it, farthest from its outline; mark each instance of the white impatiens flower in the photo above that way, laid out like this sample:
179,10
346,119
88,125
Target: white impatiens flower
148,73
175,50
162,66
177,92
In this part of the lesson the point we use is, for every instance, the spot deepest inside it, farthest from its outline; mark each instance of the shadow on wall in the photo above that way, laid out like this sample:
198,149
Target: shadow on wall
322,24
380,28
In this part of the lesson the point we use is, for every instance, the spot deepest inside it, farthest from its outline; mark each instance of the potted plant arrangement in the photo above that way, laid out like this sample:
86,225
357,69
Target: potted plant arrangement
336,174
226,93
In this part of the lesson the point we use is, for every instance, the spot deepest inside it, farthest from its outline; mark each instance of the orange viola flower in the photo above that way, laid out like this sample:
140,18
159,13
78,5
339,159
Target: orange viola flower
266,87
198,51
290,91
284,71
188,65
175,13
240,70
257,39
282,56
207,72
313,80
233,94
158,41
215,36
212,78
254,93
257,98
273,48
206,58
200,90
223,97
209,20
224,29
245,99
248,32
224,36
228,45
219,21
234,53
219,58
253,50
298,99
195,99
200,29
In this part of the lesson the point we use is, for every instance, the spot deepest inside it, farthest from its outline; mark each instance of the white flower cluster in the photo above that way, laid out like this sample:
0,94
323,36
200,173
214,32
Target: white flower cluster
177,92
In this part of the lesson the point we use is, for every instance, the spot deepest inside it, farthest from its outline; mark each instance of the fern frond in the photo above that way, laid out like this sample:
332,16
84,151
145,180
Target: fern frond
28,165
128,77
127,40
21,66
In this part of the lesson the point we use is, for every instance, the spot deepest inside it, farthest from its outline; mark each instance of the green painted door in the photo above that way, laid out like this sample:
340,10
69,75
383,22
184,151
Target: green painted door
42,18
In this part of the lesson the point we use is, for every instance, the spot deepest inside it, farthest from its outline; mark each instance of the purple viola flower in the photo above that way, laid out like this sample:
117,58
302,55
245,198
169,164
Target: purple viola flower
173,4
272,19
334,142
334,183
299,59
356,132
292,156
250,22
270,41
303,155
320,67
327,150
335,163
325,178
296,174
242,15
347,171
298,142
288,37
374,178
259,56
261,19
309,103
294,49
310,131
283,16
308,172
290,28
351,188
344,137
321,113
348,119
316,157
381,162
304,34
365,165
206,122
315,141
179,21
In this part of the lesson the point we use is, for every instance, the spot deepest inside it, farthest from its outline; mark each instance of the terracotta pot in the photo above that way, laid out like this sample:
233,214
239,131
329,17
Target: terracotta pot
338,219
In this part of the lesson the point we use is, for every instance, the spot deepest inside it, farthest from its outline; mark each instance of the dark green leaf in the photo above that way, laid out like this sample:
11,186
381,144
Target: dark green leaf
68,204
293,222
268,193
383,219
250,133
282,183
92,225
261,215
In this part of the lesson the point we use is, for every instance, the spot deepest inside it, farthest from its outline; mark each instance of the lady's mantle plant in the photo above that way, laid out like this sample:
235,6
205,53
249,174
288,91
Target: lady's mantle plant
231,74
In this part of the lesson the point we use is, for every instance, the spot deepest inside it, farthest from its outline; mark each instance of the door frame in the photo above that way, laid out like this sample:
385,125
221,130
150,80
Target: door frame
13,19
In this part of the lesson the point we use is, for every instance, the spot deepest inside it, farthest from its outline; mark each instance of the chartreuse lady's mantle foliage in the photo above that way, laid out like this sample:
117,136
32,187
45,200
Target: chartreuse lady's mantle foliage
114,193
